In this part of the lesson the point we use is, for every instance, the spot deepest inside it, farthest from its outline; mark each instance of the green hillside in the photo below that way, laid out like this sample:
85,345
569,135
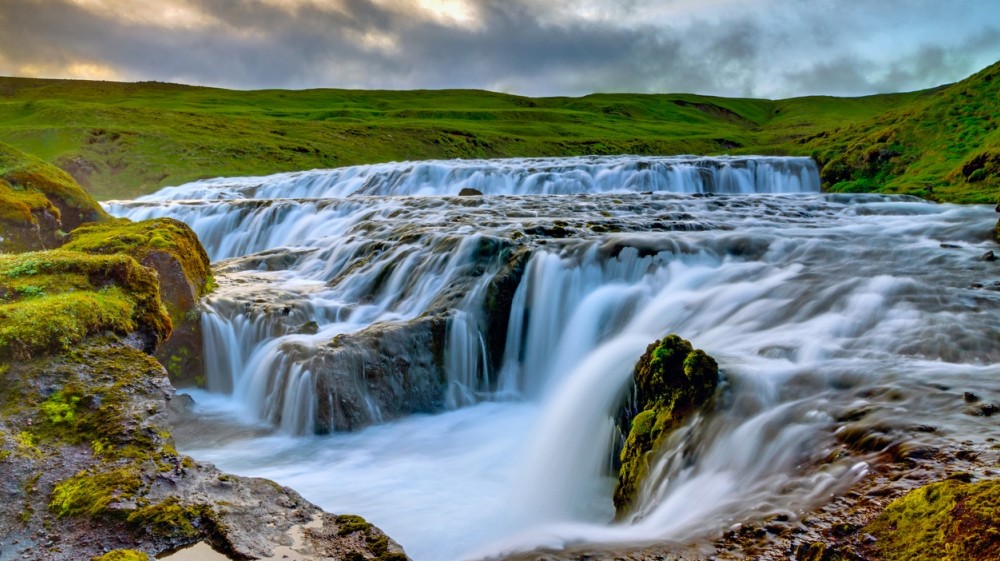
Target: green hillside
121,140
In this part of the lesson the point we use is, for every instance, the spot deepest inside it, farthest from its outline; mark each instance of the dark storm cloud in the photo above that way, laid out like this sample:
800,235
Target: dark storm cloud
774,49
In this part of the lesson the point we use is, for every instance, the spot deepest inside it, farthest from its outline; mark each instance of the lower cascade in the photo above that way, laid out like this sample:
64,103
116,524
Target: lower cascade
454,368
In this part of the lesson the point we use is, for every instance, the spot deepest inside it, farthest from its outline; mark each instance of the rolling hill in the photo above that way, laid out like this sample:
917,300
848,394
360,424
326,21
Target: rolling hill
121,140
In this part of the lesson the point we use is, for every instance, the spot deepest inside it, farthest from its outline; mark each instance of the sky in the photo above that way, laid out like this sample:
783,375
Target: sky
748,48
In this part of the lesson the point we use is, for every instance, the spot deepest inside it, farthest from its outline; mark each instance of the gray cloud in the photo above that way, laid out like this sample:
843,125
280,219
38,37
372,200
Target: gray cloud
776,48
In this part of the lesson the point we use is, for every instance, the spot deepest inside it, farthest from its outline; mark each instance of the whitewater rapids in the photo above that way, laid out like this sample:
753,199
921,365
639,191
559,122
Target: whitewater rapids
817,306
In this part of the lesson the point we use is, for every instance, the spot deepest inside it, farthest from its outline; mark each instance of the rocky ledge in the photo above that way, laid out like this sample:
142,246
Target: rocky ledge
88,467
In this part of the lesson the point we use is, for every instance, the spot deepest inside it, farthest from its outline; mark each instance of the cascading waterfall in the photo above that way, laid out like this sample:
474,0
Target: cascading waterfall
342,305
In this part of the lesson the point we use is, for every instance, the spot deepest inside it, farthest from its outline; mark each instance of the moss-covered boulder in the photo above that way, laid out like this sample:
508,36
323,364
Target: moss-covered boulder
184,275
950,519
39,203
52,300
670,382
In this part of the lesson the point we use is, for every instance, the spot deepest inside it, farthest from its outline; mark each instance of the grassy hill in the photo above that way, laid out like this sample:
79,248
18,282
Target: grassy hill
121,140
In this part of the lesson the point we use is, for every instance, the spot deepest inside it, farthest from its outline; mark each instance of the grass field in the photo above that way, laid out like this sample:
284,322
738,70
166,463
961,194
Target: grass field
121,140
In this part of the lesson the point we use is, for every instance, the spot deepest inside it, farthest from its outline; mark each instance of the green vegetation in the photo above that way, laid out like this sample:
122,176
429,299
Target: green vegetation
51,300
121,140
123,555
950,520
154,243
672,380
39,203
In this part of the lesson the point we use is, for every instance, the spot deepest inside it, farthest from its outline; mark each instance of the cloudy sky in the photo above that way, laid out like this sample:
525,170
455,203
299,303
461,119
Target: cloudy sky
760,48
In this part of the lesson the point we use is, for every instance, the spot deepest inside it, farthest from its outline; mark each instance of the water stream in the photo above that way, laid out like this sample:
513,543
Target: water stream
448,366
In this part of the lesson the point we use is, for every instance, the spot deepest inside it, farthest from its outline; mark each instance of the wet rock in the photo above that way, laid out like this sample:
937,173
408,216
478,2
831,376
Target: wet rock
671,381
970,397
988,256
380,373
469,192
983,410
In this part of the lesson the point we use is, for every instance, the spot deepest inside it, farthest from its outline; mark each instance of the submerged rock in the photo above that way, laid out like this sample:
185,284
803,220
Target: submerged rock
671,381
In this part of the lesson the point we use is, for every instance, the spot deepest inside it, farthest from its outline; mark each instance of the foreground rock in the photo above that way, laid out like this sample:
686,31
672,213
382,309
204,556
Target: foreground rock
87,465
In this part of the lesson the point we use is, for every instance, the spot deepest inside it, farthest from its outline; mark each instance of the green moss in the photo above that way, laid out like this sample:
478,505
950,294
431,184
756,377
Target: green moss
60,408
49,301
350,523
123,555
672,379
31,188
168,518
142,240
92,493
949,520
54,323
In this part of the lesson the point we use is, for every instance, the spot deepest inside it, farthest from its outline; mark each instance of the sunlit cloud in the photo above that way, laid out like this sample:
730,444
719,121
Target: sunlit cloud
170,14
73,71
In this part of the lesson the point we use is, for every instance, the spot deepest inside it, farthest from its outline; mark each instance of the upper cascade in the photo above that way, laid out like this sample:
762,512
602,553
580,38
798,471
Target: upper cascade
520,176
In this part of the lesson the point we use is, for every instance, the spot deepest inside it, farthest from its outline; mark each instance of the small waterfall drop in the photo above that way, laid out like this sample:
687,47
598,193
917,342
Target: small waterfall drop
476,348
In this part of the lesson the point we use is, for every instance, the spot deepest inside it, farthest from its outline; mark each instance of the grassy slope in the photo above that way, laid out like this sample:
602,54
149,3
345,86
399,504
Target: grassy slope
122,140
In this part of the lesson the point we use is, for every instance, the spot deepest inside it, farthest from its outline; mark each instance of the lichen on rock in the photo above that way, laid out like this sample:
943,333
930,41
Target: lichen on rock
671,381
950,519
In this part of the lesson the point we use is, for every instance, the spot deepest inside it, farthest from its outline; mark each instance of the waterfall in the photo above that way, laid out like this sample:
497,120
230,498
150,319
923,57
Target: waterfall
360,299
519,176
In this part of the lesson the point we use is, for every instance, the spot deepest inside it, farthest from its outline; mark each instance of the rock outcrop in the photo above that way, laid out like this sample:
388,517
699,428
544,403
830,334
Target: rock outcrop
671,381
39,203
183,272
381,373
88,467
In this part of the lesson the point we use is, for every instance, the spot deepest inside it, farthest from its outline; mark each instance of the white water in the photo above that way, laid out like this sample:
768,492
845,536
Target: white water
813,304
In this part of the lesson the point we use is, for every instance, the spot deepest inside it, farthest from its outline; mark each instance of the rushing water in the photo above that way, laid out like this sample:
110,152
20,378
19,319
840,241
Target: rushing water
479,345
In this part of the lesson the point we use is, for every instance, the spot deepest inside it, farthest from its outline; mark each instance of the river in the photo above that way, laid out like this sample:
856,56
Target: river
448,366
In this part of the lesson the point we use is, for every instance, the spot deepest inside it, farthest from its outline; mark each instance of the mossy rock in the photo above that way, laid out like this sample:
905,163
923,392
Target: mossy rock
38,202
169,246
949,520
184,274
51,300
671,381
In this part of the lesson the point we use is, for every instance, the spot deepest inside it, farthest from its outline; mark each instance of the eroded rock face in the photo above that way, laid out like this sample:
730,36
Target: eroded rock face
671,381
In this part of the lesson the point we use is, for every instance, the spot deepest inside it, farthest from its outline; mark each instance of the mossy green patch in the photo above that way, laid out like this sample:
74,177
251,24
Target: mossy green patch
50,301
38,202
950,520
123,555
92,493
143,240
672,379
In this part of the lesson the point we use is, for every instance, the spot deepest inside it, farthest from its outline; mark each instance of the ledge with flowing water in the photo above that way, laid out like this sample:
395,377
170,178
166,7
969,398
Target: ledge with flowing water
522,176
